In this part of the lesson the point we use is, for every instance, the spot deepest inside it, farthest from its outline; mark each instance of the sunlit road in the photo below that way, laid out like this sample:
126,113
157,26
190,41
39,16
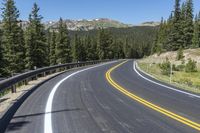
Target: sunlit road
108,98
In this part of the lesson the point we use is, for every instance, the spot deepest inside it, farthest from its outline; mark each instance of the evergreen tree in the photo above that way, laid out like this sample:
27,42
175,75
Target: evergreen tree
94,49
161,37
183,24
188,29
48,44
196,34
126,48
105,40
79,52
36,54
11,40
76,45
63,47
2,64
175,40
21,54
118,52
89,48
53,49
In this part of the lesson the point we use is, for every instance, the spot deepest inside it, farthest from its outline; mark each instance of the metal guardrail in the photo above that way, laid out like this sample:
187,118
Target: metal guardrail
24,78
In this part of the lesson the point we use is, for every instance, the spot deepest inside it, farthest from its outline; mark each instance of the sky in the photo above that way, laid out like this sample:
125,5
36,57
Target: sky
127,11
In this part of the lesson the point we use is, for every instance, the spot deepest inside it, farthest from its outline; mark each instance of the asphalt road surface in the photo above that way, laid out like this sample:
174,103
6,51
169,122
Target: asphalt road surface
104,99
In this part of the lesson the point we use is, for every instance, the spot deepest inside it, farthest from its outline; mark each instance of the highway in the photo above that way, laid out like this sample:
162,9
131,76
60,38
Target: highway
107,98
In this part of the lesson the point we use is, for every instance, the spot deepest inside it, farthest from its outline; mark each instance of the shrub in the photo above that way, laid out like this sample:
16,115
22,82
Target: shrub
174,67
186,81
179,68
180,54
165,67
191,66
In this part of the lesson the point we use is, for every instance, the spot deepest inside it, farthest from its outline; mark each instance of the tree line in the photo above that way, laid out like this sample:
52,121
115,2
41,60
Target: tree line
36,47
180,31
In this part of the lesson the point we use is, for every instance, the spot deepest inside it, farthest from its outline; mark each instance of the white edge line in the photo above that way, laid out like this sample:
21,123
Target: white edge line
134,68
48,110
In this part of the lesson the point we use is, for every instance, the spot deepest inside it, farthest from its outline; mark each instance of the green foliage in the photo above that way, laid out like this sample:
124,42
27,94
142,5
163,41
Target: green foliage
90,46
165,67
179,30
196,34
12,39
191,66
36,47
53,48
79,53
175,35
63,47
2,61
180,55
104,41
178,67
186,26
136,41
116,50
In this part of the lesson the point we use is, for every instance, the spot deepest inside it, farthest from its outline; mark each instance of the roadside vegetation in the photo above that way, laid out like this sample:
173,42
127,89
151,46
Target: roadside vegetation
175,55
33,46
185,72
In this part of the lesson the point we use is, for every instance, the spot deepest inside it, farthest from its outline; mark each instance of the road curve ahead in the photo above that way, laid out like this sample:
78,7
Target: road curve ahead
109,98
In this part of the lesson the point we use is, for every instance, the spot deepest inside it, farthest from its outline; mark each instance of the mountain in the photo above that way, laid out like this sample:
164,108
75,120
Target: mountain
151,23
86,25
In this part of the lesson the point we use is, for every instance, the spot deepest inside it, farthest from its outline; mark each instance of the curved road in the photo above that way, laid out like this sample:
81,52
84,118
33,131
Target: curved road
86,102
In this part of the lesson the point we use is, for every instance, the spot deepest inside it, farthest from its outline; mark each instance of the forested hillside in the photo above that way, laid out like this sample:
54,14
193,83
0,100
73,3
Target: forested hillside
176,47
34,46
180,31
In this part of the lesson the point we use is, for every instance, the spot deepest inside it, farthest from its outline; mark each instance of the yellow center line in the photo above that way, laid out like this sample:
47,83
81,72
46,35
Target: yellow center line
147,103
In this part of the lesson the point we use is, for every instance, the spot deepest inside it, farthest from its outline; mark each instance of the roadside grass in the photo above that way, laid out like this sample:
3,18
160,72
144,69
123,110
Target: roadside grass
186,81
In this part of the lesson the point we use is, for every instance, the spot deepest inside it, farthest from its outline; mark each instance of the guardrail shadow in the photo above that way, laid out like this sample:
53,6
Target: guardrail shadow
22,120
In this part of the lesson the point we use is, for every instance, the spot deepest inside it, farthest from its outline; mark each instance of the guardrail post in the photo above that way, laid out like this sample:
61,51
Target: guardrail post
44,74
26,82
13,89
36,77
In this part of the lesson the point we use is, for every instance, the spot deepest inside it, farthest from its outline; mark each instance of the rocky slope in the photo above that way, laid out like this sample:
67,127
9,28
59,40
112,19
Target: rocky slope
86,25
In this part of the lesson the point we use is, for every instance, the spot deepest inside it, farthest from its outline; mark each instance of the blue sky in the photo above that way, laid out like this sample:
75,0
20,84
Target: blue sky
127,11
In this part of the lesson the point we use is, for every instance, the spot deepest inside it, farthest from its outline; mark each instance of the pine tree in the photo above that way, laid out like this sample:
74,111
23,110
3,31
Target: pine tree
188,29
79,52
2,64
53,49
48,44
161,38
175,40
196,34
11,40
183,24
76,50
21,54
63,47
89,48
36,47
94,49
118,52
103,45
126,48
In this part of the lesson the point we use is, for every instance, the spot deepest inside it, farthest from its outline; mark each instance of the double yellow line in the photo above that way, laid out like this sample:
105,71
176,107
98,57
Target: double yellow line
149,104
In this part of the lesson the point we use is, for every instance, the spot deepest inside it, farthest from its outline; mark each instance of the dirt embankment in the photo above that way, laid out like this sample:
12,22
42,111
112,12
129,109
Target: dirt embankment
194,54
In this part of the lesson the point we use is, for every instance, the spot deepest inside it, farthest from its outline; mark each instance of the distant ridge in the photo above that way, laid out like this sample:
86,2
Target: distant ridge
85,25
